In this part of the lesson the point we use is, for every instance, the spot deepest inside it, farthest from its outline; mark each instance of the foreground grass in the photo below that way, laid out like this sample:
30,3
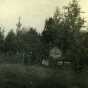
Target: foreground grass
20,76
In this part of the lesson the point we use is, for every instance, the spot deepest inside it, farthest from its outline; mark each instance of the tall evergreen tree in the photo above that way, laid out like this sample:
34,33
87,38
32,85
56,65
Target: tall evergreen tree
73,22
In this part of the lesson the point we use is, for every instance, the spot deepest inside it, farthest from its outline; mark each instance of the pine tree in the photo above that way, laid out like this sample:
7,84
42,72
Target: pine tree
73,22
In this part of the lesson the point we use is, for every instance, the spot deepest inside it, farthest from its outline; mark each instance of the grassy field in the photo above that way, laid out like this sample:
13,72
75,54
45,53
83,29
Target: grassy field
20,76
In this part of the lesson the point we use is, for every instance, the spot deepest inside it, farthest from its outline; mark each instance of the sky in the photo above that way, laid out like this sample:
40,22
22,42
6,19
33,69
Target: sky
33,12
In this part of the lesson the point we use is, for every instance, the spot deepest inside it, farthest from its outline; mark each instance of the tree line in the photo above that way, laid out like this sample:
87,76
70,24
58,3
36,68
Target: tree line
63,30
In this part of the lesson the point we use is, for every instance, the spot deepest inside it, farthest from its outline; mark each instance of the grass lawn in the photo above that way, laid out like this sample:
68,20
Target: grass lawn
20,76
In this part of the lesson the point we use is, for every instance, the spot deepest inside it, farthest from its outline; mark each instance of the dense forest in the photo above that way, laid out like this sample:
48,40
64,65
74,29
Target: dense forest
63,30
55,58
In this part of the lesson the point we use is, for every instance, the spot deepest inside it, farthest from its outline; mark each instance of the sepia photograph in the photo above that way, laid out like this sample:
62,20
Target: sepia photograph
43,44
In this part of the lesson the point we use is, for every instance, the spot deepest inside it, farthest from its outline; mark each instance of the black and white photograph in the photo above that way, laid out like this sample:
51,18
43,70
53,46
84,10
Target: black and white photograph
43,43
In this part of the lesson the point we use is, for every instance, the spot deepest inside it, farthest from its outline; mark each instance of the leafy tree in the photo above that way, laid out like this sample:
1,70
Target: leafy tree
52,28
64,31
11,43
84,39
52,34
31,45
1,40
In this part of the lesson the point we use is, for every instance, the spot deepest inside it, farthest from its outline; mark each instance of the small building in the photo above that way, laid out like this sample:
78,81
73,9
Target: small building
55,53
55,56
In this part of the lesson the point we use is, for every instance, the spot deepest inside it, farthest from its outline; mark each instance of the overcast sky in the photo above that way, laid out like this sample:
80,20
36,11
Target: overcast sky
33,12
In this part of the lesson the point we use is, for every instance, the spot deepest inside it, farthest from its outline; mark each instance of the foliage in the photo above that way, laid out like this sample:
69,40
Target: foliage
60,30
11,42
